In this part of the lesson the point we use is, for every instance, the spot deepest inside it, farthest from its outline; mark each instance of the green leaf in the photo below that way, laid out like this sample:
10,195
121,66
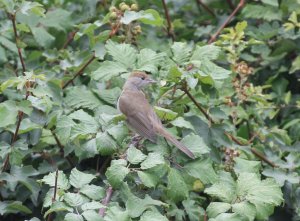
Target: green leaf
149,60
137,206
151,17
73,217
165,114
79,179
91,206
82,97
196,144
152,160
295,65
206,174
62,180
256,191
32,7
245,209
193,210
74,199
281,175
105,144
148,179
58,18
267,13
8,113
182,123
124,54
151,215
93,192
109,69
224,189
177,189
116,213
91,215
216,208
242,165
117,172
58,206
229,217
42,37
135,156
9,207
119,132
210,52
181,52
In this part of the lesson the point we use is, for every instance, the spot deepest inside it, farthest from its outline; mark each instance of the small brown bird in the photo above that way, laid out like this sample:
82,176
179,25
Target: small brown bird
140,115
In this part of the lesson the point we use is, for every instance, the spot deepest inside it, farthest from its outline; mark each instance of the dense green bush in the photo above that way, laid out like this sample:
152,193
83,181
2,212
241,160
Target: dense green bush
232,98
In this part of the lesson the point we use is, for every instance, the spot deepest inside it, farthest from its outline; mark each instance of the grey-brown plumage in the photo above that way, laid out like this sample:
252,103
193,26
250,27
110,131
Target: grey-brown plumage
140,114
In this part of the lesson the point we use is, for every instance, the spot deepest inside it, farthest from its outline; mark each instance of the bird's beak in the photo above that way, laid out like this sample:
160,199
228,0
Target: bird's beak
151,81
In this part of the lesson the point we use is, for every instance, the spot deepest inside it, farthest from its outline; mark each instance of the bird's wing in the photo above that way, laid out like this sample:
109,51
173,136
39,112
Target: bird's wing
137,111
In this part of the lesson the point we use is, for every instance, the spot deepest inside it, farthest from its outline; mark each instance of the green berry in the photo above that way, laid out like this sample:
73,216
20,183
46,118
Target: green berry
113,15
112,9
134,7
124,7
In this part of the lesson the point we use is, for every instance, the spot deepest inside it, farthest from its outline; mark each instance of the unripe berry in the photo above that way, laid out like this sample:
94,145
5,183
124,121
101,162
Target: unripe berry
134,7
113,15
112,9
124,7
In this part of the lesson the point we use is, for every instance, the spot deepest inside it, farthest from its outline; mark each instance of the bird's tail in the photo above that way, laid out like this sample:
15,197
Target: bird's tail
177,143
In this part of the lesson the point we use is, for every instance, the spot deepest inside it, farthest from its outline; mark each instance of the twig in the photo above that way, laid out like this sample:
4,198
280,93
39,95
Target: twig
229,2
61,147
169,24
13,20
106,200
20,113
54,194
214,36
69,38
80,72
203,111
205,216
254,151
206,7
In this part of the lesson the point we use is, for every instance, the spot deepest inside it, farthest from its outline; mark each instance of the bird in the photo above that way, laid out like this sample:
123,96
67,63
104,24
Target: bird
140,115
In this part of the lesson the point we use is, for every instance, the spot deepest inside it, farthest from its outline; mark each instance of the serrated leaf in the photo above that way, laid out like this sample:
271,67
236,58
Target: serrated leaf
177,189
206,175
224,189
152,160
117,172
182,123
8,113
93,192
148,179
92,206
245,209
79,179
216,208
42,37
116,213
151,17
73,217
196,144
181,52
210,52
151,215
135,156
165,114
109,69
62,180
149,60
91,215
105,144
242,165
74,199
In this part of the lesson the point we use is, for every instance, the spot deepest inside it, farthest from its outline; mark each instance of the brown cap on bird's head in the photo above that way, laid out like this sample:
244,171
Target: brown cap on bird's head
140,74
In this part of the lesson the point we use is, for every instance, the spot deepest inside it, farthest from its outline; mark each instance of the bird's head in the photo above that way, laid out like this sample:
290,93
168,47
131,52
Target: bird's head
139,80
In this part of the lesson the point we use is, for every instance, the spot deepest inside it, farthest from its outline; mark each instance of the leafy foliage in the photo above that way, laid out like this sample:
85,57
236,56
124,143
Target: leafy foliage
66,152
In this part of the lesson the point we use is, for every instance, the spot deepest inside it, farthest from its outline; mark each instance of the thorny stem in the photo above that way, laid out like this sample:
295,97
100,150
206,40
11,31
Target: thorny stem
169,24
214,36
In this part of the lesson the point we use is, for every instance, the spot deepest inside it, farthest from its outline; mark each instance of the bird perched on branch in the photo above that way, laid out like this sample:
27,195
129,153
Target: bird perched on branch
140,114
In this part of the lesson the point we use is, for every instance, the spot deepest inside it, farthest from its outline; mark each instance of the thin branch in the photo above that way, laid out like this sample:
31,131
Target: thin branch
229,2
254,151
80,72
13,20
54,194
106,200
203,111
206,8
169,24
214,36
61,147
69,39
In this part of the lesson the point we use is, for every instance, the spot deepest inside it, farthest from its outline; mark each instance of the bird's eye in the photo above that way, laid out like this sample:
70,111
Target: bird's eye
143,78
